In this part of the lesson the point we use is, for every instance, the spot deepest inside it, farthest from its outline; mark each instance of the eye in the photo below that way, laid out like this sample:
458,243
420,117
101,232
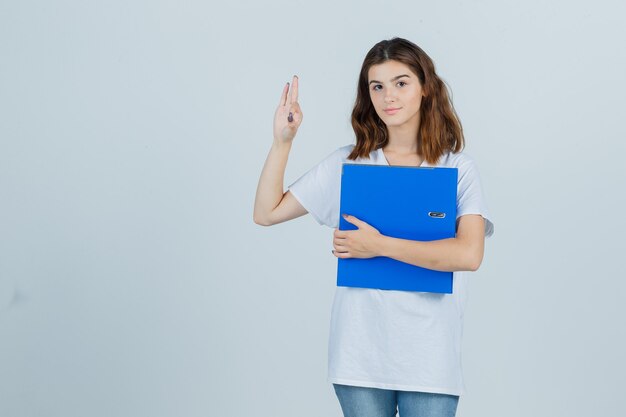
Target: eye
378,85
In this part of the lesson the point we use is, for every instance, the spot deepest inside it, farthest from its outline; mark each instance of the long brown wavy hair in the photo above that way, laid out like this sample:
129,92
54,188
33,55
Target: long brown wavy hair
440,129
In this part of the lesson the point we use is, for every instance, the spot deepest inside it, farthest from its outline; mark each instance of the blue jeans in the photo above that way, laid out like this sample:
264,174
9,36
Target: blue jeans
377,402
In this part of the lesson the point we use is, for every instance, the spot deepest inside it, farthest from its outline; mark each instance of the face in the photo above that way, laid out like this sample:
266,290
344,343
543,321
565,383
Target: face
392,84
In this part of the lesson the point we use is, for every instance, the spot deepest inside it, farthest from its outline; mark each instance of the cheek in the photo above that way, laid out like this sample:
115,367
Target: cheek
415,99
414,96
376,100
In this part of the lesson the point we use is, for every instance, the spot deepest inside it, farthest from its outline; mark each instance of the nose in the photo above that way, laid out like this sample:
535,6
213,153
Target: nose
389,98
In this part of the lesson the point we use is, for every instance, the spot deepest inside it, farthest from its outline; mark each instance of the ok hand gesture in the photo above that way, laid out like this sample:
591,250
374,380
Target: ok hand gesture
288,115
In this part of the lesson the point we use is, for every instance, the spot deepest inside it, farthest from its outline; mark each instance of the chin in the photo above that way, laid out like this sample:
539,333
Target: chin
394,122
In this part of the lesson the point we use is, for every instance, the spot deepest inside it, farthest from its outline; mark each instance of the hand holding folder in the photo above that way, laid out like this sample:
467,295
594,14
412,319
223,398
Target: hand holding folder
416,203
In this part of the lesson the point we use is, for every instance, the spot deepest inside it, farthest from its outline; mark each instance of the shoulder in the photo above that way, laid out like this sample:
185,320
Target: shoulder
461,160
332,161
340,154
456,160
345,150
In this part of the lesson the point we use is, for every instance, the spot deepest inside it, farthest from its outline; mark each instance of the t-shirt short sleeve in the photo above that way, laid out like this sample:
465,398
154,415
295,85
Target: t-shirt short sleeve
470,196
319,189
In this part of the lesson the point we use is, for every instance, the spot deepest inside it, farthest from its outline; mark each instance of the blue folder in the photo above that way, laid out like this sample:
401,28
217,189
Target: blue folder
416,203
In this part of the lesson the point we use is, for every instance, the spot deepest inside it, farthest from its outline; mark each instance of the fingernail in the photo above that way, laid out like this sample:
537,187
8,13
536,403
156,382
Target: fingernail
290,118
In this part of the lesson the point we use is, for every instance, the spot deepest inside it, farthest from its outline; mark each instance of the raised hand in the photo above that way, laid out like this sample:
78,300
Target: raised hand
288,115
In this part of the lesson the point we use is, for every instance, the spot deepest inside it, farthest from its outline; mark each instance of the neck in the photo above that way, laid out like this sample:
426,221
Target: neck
403,138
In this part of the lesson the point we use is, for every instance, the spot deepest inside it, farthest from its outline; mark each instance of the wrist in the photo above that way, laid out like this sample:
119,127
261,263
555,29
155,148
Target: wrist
383,245
281,144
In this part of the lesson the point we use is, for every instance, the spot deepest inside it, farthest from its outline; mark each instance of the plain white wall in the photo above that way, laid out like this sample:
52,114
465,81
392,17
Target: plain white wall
133,281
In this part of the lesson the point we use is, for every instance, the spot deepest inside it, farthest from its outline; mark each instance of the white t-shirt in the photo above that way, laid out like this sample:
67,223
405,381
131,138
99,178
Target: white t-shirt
401,340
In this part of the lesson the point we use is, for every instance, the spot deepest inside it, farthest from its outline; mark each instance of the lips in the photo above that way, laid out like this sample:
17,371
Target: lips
392,110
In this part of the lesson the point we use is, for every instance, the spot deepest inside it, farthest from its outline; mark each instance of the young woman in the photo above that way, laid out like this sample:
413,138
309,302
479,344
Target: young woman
388,351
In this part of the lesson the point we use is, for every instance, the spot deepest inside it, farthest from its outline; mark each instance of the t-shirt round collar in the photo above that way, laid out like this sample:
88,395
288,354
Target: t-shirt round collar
383,158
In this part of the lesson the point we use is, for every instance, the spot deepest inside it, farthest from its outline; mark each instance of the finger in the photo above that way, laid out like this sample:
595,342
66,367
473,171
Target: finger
294,96
341,254
340,247
294,111
354,220
289,95
283,96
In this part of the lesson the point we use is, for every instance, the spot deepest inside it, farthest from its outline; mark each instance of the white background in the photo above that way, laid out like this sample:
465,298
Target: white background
133,281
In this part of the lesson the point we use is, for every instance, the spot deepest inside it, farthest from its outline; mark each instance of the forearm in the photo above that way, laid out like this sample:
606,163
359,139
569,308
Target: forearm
269,191
450,254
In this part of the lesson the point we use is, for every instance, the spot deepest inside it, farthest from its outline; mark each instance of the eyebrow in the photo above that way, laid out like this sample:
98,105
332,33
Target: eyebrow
393,79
